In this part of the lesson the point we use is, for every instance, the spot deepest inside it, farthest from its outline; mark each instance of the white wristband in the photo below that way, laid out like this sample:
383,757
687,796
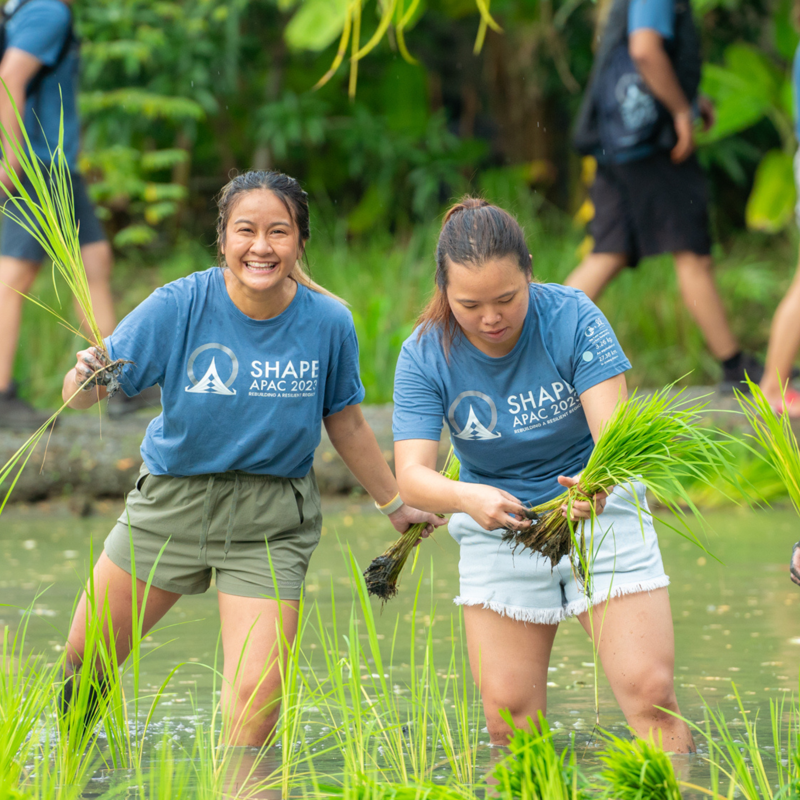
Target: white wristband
391,506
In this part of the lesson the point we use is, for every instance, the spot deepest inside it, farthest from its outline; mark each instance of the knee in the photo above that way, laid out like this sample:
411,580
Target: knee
18,276
653,690
691,265
506,711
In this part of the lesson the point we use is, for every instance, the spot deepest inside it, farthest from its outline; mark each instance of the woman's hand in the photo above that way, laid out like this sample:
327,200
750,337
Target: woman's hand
89,362
582,509
492,508
406,516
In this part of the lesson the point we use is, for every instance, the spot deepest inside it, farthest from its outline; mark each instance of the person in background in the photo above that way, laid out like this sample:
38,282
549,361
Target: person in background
784,337
650,194
39,66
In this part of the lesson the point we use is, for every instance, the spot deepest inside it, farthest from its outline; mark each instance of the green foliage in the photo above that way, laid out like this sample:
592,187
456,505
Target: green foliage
638,769
533,770
748,87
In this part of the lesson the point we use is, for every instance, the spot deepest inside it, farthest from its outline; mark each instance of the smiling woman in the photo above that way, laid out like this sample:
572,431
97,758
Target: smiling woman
227,485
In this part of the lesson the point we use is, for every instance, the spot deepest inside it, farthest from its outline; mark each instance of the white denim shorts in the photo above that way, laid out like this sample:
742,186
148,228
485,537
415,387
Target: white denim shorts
524,587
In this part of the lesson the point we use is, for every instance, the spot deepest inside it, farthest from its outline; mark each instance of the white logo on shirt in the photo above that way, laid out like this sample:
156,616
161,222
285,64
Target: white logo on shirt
211,383
474,429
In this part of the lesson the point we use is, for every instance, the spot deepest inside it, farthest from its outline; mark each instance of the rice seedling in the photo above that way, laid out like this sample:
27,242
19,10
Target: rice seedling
362,787
46,211
637,769
654,439
383,573
533,770
459,742
774,436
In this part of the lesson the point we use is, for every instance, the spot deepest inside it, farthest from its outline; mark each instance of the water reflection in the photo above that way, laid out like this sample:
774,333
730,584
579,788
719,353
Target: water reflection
734,622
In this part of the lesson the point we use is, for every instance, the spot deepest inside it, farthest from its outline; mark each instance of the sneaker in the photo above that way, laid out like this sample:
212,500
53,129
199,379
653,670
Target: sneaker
748,367
120,405
16,414
790,405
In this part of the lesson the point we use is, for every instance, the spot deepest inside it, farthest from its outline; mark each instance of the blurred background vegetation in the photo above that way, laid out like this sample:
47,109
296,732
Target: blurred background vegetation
177,96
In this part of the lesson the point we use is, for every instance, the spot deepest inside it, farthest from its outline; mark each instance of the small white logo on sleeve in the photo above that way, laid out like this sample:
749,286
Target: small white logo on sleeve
474,429
588,356
211,382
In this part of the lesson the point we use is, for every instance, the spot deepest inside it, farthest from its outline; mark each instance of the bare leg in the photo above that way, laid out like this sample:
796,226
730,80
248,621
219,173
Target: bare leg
251,689
637,650
595,272
98,259
113,585
700,294
16,275
509,662
784,342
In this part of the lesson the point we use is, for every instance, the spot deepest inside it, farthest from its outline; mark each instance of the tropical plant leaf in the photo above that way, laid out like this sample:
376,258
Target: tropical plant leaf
770,206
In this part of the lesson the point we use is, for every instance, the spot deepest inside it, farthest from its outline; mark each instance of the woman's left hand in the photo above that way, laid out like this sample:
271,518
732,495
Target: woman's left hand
582,509
406,516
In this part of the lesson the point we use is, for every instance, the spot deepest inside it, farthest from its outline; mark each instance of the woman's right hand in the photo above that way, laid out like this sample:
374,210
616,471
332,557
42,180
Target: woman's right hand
89,362
492,508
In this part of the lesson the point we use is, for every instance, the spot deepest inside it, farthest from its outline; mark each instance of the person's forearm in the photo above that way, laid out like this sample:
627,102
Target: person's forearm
652,62
355,442
428,490
82,399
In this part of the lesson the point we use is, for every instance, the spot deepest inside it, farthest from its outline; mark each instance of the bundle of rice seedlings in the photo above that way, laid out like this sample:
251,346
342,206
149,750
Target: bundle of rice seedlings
533,770
655,439
638,769
382,574
44,207
775,437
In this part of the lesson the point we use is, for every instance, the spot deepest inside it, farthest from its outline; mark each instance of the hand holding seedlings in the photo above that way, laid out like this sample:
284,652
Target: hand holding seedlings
493,508
406,516
91,369
582,509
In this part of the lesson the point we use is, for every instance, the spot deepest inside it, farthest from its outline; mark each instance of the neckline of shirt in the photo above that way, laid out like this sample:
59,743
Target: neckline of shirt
516,349
281,318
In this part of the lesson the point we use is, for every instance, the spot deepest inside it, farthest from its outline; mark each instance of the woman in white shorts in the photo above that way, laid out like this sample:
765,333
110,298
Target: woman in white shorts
524,375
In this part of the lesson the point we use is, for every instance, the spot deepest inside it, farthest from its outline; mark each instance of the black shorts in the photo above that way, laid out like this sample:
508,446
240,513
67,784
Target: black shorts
16,242
648,207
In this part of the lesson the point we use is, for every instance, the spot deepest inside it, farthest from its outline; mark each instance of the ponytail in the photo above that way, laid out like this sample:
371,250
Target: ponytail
473,231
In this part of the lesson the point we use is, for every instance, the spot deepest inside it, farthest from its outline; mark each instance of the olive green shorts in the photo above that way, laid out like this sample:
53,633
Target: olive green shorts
245,527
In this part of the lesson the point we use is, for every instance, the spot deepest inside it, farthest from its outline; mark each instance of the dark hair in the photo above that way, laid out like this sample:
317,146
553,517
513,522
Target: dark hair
290,193
473,232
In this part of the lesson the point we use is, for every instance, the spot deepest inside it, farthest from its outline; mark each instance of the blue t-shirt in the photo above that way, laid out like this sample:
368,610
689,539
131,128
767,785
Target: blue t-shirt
658,15
237,393
516,422
41,28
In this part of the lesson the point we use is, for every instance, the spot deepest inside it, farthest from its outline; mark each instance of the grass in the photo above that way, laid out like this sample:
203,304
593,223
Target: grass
655,439
637,769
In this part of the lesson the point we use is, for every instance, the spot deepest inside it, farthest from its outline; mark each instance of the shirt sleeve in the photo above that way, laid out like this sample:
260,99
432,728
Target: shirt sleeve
597,355
418,404
145,338
343,385
657,15
40,29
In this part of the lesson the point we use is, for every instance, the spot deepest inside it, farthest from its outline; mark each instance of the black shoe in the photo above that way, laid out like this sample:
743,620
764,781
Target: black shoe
748,366
96,693
16,414
121,405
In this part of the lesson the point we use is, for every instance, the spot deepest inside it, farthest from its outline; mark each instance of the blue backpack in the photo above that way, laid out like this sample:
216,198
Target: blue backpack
620,119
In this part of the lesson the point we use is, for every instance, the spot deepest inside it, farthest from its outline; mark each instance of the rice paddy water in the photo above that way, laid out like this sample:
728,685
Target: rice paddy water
386,693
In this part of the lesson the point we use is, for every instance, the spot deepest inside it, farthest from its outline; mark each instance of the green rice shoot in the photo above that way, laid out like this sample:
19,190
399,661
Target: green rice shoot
44,207
383,573
775,438
638,769
656,439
